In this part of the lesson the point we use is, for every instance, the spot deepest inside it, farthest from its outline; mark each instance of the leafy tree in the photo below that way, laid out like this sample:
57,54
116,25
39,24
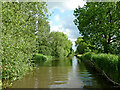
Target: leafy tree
19,36
83,46
99,22
43,40
45,50
60,44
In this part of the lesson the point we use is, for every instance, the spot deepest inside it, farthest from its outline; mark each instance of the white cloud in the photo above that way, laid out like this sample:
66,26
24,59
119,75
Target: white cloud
68,32
62,10
72,35
74,4
65,4
65,24
57,28
60,28
57,18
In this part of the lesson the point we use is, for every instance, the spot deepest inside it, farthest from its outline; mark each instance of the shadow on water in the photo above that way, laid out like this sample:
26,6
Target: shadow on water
56,62
63,73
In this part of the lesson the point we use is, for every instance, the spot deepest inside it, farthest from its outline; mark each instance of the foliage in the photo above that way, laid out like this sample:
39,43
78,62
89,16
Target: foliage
87,56
60,45
107,62
45,50
55,44
98,22
41,57
43,39
119,66
19,29
83,46
0,84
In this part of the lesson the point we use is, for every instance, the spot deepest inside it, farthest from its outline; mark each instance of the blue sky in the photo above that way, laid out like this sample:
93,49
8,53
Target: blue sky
62,17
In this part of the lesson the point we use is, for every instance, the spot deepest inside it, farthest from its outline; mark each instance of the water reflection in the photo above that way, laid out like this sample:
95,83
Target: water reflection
74,64
65,73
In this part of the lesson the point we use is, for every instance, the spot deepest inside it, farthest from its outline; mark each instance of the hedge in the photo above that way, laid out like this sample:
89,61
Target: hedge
108,63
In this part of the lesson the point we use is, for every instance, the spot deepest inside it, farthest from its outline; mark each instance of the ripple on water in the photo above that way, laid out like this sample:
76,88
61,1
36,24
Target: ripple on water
57,86
60,82
63,76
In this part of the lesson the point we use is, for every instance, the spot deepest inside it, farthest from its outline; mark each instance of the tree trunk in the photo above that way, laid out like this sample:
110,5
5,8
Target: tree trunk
105,44
107,39
106,47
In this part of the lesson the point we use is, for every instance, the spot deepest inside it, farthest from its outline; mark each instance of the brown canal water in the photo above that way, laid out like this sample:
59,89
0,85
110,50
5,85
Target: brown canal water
62,74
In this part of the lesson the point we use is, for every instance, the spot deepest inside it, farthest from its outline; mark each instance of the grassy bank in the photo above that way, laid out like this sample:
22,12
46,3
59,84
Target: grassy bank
108,63
41,57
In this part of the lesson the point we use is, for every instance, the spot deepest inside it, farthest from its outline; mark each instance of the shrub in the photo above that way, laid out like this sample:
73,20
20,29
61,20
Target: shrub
45,50
87,56
109,63
106,62
40,57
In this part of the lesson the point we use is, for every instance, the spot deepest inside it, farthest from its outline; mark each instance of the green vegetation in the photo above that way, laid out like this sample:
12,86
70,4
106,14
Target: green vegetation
60,45
25,32
99,23
106,62
41,57
0,84
83,46
55,44
19,38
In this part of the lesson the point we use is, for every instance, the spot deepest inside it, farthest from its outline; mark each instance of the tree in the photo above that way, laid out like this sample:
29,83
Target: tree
83,46
43,39
99,23
60,44
19,36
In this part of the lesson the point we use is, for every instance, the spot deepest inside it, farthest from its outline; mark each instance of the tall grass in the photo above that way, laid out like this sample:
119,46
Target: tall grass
108,63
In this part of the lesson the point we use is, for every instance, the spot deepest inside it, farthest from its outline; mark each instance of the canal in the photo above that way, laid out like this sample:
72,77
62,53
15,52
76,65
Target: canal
62,74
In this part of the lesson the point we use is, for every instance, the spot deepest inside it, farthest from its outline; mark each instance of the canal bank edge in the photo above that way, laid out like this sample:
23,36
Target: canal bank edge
97,70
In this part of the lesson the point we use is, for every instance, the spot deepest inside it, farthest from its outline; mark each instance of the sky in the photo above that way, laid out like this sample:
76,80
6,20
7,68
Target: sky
62,17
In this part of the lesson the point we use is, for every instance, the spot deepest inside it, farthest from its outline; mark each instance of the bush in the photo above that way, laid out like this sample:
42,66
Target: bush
87,56
106,62
45,50
40,57
109,63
